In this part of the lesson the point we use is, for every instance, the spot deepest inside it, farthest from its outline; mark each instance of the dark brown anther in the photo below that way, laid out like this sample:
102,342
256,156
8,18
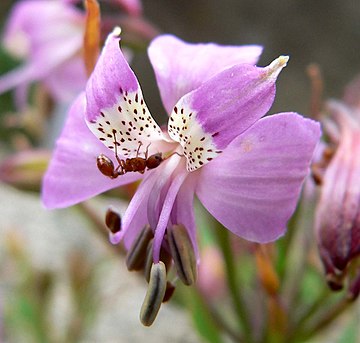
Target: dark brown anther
170,289
183,254
113,220
136,256
154,161
105,165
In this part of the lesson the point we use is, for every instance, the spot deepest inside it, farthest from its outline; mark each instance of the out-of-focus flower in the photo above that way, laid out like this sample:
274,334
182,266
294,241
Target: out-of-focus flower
211,279
247,171
338,211
25,169
48,35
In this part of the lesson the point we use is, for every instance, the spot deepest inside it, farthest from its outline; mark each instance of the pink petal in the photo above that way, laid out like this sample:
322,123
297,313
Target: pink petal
206,120
167,205
115,111
183,209
20,75
144,207
67,80
181,67
72,175
46,34
252,188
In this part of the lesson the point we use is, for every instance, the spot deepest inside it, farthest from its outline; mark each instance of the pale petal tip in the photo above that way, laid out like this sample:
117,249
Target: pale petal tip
116,31
275,67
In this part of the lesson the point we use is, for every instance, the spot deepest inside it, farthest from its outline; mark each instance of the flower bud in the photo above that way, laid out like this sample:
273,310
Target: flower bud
338,212
25,170
182,252
154,295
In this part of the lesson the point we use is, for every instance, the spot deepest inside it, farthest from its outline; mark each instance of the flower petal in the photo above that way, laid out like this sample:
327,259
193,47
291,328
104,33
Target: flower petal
206,120
67,80
179,177
144,207
72,175
46,34
253,186
116,112
183,210
181,67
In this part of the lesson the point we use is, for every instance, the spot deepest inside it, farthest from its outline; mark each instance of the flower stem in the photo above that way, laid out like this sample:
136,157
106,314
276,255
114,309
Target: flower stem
223,238
326,318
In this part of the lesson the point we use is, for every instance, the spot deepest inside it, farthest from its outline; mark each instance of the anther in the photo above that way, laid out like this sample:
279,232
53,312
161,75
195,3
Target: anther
154,295
113,220
170,289
136,256
183,254
165,257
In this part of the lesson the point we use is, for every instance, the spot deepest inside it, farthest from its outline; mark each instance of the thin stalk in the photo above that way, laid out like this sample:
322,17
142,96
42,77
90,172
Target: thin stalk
325,319
297,251
223,238
99,226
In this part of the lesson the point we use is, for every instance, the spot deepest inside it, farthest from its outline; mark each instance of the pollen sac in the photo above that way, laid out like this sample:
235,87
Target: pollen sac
113,220
183,254
170,289
136,256
105,165
154,295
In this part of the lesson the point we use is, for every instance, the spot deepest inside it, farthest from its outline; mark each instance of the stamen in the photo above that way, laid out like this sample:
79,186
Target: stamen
113,220
154,295
136,256
165,257
183,254
170,289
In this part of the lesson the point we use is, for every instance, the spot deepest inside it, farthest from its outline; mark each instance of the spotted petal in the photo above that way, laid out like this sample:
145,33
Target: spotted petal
206,120
253,186
181,67
72,175
116,112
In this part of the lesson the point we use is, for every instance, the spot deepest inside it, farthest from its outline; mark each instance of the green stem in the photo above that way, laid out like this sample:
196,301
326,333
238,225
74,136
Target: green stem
325,319
223,238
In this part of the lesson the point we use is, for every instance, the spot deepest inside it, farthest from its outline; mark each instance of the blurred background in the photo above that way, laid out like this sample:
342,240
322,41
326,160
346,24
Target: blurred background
48,256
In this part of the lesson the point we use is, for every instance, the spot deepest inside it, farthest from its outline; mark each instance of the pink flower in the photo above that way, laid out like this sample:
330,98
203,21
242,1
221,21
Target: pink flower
245,169
48,35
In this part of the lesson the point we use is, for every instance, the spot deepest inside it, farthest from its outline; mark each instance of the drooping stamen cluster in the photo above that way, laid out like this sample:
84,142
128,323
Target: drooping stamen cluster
176,250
